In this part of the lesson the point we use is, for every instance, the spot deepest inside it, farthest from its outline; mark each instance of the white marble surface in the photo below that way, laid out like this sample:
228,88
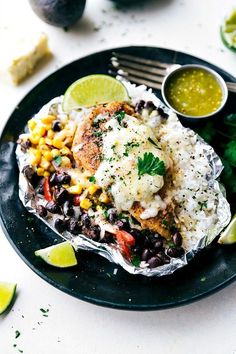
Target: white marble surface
73,326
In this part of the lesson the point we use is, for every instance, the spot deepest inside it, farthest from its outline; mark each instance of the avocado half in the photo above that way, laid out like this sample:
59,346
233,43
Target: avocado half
59,13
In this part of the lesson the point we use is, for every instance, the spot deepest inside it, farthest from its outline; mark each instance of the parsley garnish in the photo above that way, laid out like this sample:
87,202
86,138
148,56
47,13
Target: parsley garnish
203,205
17,334
57,160
92,179
150,165
120,116
129,146
97,134
135,260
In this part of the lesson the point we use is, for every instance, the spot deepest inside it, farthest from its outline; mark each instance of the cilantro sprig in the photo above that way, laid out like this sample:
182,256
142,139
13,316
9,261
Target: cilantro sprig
150,165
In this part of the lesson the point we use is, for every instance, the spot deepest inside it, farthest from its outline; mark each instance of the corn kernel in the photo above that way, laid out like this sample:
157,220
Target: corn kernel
65,162
46,174
50,134
47,155
34,139
85,203
40,131
65,151
77,189
57,143
48,141
43,148
93,189
47,127
44,163
40,171
31,124
103,198
55,152
36,158
41,141
48,119
98,207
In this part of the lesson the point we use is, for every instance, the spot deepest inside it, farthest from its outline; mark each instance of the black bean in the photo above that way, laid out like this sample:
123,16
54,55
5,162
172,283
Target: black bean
85,219
177,239
107,238
158,245
149,105
25,145
41,211
53,207
63,178
73,226
175,252
137,250
154,262
60,225
139,106
68,209
28,172
161,255
40,189
92,232
162,113
60,195
146,254
56,126
112,215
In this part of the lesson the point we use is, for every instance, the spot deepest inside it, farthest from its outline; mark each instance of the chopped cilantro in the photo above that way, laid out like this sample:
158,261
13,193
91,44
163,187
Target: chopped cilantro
57,160
105,214
129,146
92,179
135,260
97,134
203,204
170,244
150,165
120,116
17,334
165,223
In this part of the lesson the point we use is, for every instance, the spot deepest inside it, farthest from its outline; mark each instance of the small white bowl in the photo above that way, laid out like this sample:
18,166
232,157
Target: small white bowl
187,66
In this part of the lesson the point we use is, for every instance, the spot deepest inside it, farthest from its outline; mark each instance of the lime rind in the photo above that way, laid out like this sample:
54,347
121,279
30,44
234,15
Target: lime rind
228,236
7,294
92,90
61,255
228,31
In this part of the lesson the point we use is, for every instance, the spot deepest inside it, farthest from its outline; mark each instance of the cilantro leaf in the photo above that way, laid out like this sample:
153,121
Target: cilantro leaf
150,165
120,116
230,153
135,260
57,160
92,179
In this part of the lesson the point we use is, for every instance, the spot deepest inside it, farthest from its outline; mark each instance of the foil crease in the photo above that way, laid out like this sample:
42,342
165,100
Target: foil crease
111,252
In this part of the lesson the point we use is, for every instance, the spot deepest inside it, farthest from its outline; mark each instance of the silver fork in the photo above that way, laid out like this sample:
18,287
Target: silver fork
145,71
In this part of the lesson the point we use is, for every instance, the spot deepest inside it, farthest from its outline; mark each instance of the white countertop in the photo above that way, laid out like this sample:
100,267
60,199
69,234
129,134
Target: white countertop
73,326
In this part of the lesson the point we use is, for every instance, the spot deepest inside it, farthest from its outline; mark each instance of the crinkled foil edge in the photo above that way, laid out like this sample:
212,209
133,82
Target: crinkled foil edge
111,252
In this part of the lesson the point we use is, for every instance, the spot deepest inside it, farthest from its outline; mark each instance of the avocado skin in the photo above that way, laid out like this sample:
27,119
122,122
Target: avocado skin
59,13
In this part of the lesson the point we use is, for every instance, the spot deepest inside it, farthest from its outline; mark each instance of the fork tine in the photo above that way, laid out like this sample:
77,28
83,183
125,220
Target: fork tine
137,80
140,67
154,78
139,60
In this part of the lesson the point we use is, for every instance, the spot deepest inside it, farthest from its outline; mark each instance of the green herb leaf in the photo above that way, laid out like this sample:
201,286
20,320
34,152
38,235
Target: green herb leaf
120,116
150,165
97,134
92,179
57,160
44,311
135,260
230,153
203,205
17,334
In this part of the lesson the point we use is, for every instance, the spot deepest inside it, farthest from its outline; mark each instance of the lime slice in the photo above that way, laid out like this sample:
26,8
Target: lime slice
228,236
7,292
61,255
228,31
92,90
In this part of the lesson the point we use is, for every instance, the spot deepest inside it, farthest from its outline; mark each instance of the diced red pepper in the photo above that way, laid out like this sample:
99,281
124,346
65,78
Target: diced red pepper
125,241
76,200
46,189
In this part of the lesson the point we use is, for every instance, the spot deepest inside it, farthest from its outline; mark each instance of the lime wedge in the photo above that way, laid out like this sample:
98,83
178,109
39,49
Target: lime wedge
7,292
228,236
61,255
92,90
228,31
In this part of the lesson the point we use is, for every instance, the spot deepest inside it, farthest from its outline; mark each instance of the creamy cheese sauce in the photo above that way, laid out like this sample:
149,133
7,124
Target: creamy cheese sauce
122,146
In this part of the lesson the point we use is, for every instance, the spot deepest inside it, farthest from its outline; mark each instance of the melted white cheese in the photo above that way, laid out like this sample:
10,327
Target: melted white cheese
122,146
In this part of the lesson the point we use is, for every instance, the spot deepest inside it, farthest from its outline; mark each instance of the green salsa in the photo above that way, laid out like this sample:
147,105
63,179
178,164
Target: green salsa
194,92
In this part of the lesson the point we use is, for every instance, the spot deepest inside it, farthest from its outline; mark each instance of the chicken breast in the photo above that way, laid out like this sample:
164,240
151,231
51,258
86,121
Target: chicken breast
87,152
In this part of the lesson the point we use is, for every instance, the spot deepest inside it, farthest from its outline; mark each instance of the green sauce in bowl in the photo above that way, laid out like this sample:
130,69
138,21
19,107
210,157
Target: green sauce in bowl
194,91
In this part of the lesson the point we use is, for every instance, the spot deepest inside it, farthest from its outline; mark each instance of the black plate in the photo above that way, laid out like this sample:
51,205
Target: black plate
93,280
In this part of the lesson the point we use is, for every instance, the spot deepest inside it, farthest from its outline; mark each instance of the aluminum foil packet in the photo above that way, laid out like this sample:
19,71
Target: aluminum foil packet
110,251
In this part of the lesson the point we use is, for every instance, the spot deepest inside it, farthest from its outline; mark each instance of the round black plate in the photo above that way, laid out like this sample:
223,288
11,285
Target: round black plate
93,279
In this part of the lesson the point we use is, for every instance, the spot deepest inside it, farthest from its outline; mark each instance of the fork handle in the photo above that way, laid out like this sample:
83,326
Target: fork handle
231,86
